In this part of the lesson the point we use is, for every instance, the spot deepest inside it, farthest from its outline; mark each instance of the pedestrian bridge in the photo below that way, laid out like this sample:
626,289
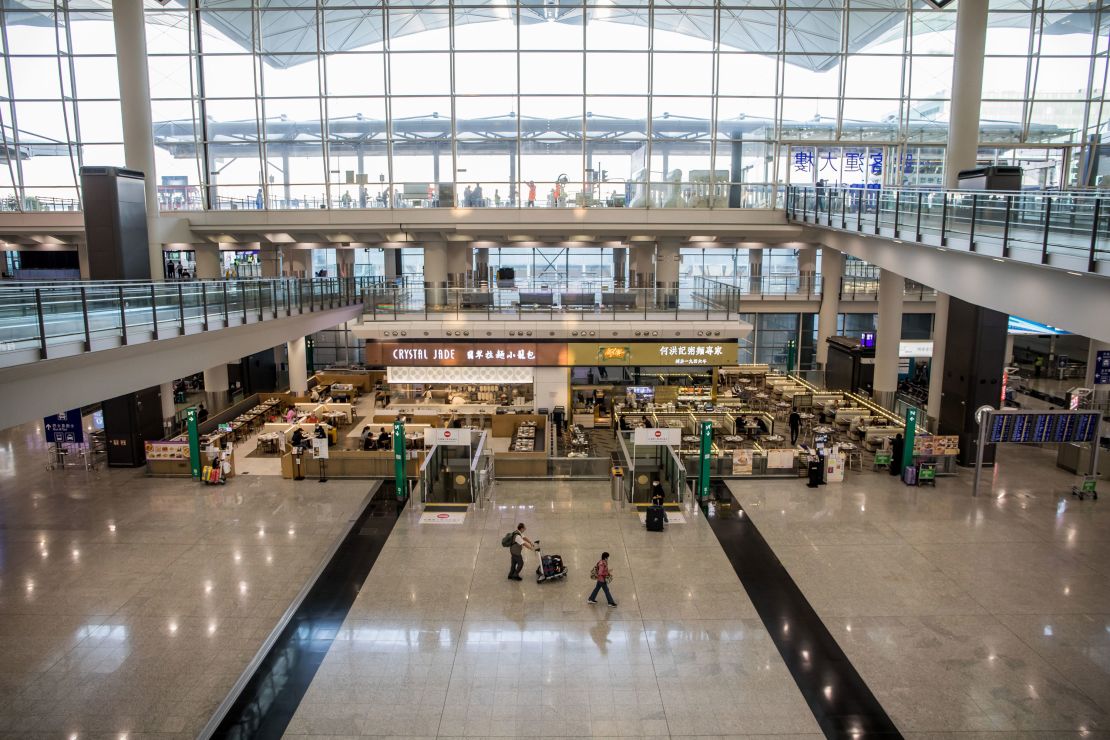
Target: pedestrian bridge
69,344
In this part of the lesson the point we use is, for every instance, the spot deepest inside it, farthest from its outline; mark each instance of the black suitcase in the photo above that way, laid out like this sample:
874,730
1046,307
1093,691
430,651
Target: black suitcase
655,518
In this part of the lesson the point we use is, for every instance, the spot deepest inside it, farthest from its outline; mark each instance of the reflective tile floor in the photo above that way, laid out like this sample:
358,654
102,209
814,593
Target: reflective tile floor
440,644
129,605
968,617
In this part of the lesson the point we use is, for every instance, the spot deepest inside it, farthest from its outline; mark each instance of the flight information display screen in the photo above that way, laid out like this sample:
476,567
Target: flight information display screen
1044,428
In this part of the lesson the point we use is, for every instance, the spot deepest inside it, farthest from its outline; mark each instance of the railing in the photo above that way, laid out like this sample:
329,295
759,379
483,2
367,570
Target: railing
776,286
54,319
699,301
1061,229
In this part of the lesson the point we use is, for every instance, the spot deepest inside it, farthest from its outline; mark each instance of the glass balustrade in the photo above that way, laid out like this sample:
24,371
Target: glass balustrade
1066,229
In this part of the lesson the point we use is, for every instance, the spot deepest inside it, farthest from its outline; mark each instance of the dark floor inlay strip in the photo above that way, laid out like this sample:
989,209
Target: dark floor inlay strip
841,702
269,699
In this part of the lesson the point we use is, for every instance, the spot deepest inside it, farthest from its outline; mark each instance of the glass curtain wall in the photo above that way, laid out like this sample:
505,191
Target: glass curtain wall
321,104
556,267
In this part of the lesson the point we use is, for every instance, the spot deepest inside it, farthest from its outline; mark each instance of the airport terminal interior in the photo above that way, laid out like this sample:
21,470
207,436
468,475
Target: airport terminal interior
577,368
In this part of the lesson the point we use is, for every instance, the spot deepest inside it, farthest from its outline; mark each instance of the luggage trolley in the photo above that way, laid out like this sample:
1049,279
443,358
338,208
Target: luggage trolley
551,566
1084,488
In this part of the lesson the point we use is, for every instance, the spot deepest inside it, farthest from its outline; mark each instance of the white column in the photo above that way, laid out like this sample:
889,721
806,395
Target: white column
345,261
887,335
1008,358
165,390
832,270
435,274
216,386
755,270
269,255
642,267
207,257
667,261
481,266
298,371
807,268
936,366
967,89
458,262
134,94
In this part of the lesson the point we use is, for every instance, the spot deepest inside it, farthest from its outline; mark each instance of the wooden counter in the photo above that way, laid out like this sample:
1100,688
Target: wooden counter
520,465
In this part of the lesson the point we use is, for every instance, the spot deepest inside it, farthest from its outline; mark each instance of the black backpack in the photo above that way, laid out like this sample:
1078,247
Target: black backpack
507,540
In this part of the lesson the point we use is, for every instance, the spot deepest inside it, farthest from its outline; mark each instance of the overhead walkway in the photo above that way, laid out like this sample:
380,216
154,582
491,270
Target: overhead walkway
1043,256
68,344
1067,230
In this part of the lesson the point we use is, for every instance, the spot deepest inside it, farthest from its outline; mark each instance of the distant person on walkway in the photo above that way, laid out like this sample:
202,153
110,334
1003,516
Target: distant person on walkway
478,195
202,414
468,198
516,552
602,575
1038,366
795,425
531,194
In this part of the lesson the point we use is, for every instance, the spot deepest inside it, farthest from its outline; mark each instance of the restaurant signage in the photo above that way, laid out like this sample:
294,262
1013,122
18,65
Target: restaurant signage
657,436
469,354
550,354
447,437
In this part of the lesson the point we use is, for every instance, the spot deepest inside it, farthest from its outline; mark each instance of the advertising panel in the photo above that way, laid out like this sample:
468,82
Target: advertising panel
742,462
465,354
654,354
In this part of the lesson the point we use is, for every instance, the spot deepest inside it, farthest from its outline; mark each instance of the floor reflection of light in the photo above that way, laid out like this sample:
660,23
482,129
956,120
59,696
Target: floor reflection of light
111,527
211,628
173,628
1048,630
238,557
207,587
76,554
242,587
1067,590
828,692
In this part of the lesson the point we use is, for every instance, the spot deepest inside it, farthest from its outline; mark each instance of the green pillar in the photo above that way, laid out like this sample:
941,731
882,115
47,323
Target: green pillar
791,355
907,445
399,459
194,440
703,459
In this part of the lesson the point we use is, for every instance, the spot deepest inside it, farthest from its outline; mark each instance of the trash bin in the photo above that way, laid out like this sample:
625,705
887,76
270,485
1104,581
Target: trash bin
616,483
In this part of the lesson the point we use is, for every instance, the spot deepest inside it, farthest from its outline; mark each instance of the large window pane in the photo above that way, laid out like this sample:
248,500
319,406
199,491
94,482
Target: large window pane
478,73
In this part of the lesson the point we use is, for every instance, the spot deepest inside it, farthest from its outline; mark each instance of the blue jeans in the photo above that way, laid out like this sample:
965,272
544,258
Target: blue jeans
602,586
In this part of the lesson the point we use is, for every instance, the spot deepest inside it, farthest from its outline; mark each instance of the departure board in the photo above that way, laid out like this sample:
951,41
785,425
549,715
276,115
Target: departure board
1037,428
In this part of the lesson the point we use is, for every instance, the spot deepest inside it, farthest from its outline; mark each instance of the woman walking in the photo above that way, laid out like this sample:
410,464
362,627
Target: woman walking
602,575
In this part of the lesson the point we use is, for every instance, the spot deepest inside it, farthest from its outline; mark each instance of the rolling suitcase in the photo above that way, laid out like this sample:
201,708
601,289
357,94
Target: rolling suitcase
655,518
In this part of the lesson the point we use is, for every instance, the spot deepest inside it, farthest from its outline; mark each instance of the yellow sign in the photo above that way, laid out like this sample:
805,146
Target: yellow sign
654,354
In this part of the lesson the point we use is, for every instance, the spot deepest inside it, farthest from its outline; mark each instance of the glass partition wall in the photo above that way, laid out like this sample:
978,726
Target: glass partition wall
315,104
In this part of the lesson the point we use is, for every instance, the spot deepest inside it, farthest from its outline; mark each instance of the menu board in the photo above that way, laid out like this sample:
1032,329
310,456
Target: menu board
165,449
742,462
1044,428
936,445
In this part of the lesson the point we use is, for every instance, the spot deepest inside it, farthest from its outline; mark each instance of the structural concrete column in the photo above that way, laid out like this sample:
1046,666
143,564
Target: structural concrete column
207,257
807,268
297,262
936,365
435,273
642,258
391,258
755,270
169,410
481,266
620,260
967,89
458,263
345,261
832,270
134,94
889,332
667,262
216,386
298,370
269,257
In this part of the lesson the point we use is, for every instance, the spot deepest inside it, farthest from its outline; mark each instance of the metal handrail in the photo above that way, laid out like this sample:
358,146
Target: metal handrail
1068,229
44,321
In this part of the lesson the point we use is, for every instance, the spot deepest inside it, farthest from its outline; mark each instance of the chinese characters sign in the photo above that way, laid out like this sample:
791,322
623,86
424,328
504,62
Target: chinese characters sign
64,427
458,354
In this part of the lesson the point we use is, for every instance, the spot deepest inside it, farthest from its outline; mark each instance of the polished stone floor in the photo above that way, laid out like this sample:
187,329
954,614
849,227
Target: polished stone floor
129,605
981,617
440,644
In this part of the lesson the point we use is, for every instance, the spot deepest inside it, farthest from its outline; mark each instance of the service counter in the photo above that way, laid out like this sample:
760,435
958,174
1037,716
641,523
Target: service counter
353,464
